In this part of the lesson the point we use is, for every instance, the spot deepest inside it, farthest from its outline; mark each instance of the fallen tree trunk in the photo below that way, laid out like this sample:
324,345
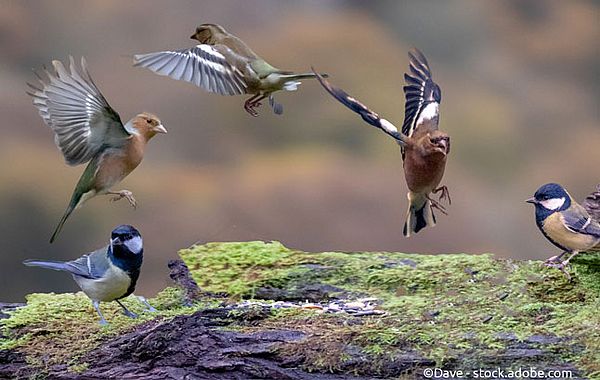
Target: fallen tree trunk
368,315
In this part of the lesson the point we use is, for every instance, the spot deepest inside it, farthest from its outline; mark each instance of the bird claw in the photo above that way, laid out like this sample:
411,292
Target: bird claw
127,195
149,307
250,108
555,263
130,314
445,194
438,206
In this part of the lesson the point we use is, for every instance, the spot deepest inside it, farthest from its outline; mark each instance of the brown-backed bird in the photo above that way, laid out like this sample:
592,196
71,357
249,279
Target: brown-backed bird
224,64
87,129
424,147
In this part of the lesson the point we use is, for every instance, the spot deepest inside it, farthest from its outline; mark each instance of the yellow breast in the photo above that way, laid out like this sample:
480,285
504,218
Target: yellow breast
555,229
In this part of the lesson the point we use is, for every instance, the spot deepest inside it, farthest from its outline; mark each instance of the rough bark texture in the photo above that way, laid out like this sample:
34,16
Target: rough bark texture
227,341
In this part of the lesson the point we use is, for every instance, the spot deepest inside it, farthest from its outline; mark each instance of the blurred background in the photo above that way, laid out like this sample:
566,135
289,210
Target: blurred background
520,83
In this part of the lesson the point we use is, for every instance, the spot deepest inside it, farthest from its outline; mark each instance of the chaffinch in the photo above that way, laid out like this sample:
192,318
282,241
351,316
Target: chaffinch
109,273
225,65
424,147
87,129
565,223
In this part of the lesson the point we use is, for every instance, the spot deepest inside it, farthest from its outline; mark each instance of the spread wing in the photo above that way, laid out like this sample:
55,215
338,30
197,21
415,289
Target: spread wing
576,219
356,106
206,66
423,95
81,118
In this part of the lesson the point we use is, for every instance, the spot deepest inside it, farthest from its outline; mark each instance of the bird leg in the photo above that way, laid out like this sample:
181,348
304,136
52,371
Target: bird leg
97,307
552,261
437,205
126,311
123,194
147,304
445,194
253,103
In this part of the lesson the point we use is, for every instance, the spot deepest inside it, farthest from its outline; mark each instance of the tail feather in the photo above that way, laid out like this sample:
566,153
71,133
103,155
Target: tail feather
303,76
72,206
419,215
55,265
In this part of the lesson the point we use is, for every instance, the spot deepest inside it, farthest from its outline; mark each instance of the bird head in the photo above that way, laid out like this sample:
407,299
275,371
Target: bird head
147,125
551,197
126,239
207,33
436,142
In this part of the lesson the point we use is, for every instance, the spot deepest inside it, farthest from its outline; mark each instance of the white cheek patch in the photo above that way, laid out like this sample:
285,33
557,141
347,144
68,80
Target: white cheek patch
135,244
553,204
429,112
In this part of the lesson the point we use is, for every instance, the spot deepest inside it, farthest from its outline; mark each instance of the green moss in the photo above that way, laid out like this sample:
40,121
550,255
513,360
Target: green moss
438,305
60,328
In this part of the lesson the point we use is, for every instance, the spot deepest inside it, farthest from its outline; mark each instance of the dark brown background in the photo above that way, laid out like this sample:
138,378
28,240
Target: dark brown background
520,85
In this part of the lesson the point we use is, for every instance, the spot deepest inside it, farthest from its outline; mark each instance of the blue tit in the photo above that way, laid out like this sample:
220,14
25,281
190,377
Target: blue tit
109,273
564,222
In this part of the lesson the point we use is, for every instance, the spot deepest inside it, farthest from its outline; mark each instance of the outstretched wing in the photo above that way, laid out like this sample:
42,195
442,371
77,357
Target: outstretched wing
356,106
81,118
206,66
423,95
578,220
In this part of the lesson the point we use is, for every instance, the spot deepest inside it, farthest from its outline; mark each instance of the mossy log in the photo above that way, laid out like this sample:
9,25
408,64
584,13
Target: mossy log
454,311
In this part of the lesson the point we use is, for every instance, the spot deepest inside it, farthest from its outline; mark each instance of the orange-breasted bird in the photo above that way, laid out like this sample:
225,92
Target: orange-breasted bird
87,129
225,65
424,147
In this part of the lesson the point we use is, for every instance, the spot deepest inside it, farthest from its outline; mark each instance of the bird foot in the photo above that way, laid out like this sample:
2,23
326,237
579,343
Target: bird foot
124,194
250,108
554,262
437,205
445,194
149,307
130,314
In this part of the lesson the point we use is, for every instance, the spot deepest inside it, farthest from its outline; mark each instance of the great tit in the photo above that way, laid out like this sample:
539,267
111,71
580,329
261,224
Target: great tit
109,273
565,223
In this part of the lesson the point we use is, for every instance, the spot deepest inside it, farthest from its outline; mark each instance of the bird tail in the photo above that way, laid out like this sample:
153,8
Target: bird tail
419,215
301,76
72,206
55,265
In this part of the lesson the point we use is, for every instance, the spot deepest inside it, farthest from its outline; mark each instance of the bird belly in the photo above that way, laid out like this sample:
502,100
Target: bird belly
423,174
113,285
556,231
113,169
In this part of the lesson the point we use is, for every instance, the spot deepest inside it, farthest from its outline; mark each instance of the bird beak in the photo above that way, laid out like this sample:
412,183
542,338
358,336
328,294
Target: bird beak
531,200
193,36
160,129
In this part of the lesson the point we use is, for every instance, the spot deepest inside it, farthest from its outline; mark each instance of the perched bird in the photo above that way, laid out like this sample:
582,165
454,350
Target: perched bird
424,147
224,64
565,223
109,273
87,129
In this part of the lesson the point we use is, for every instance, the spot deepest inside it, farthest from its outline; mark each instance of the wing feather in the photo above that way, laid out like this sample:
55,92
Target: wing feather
422,94
71,104
205,66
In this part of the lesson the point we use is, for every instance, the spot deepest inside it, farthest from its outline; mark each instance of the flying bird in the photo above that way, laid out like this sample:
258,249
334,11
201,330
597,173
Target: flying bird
423,146
565,223
87,129
109,273
223,64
